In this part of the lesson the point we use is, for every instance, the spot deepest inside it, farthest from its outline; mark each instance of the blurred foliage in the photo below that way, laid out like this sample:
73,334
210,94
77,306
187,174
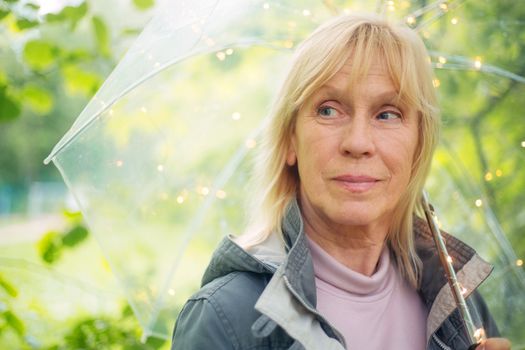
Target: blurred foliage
8,318
102,333
120,332
50,65
48,69
115,331
69,14
51,245
144,4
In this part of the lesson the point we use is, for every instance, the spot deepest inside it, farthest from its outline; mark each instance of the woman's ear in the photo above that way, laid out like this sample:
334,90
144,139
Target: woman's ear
291,157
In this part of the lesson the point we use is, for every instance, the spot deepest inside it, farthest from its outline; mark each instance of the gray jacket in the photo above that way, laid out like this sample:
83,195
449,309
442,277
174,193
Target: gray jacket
265,298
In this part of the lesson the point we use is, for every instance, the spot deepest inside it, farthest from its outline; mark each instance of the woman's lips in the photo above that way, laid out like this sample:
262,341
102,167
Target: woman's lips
356,183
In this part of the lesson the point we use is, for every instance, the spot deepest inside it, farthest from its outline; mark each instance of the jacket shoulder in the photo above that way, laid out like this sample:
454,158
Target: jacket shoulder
241,286
220,316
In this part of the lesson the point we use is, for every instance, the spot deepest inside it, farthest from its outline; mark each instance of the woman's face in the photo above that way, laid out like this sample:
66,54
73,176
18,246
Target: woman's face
354,147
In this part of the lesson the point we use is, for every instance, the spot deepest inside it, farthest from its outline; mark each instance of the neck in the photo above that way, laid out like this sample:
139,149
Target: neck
358,248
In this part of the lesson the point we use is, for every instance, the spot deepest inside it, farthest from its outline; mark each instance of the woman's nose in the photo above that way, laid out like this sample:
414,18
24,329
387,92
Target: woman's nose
357,137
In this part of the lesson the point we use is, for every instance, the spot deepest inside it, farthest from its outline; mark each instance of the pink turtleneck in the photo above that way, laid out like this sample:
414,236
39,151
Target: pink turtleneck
378,312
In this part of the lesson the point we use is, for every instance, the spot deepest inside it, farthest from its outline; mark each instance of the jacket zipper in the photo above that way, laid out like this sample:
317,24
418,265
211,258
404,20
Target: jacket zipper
440,343
340,337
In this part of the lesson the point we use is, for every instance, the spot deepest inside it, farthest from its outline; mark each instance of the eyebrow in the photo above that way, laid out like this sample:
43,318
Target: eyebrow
389,96
328,89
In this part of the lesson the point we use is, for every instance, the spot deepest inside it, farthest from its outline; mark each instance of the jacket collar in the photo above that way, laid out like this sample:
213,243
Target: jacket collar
293,282
471,271
229,257
290,298
469,266
299,268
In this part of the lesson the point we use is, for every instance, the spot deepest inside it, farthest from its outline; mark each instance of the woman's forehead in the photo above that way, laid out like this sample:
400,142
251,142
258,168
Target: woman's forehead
375,80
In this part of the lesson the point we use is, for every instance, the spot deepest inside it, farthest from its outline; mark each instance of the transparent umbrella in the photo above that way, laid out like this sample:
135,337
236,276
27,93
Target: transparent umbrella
159,160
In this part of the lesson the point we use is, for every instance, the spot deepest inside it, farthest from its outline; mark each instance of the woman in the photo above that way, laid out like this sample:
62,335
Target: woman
336,257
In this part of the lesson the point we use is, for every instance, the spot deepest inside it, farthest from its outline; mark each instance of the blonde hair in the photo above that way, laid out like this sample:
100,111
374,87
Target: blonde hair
316,60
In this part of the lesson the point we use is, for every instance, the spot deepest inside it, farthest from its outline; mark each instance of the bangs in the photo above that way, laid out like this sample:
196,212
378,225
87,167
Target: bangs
398,50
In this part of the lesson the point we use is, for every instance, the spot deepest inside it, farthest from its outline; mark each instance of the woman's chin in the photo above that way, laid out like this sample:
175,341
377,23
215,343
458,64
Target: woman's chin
358,216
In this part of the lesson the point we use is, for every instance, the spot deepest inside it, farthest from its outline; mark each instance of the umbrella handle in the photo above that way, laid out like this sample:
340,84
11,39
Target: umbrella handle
475,336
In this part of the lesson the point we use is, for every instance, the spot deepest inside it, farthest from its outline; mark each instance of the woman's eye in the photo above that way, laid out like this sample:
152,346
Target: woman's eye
327,111
389,116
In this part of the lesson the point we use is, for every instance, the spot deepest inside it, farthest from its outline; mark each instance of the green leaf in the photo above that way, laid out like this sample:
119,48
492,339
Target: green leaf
71,14
75,236
55,17
81,81
38,99
15,323
76,55
50,247
23,23
9,107
8,287
155,342
101,35
127,311
131,31
33,6
40,55
4,13
143,4
73,216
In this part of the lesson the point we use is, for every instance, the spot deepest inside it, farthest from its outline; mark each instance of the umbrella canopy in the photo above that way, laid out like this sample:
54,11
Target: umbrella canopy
159,160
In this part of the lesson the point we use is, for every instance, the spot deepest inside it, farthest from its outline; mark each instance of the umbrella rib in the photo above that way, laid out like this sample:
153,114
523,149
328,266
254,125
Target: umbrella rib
26,265
465,63
485,68
435,17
